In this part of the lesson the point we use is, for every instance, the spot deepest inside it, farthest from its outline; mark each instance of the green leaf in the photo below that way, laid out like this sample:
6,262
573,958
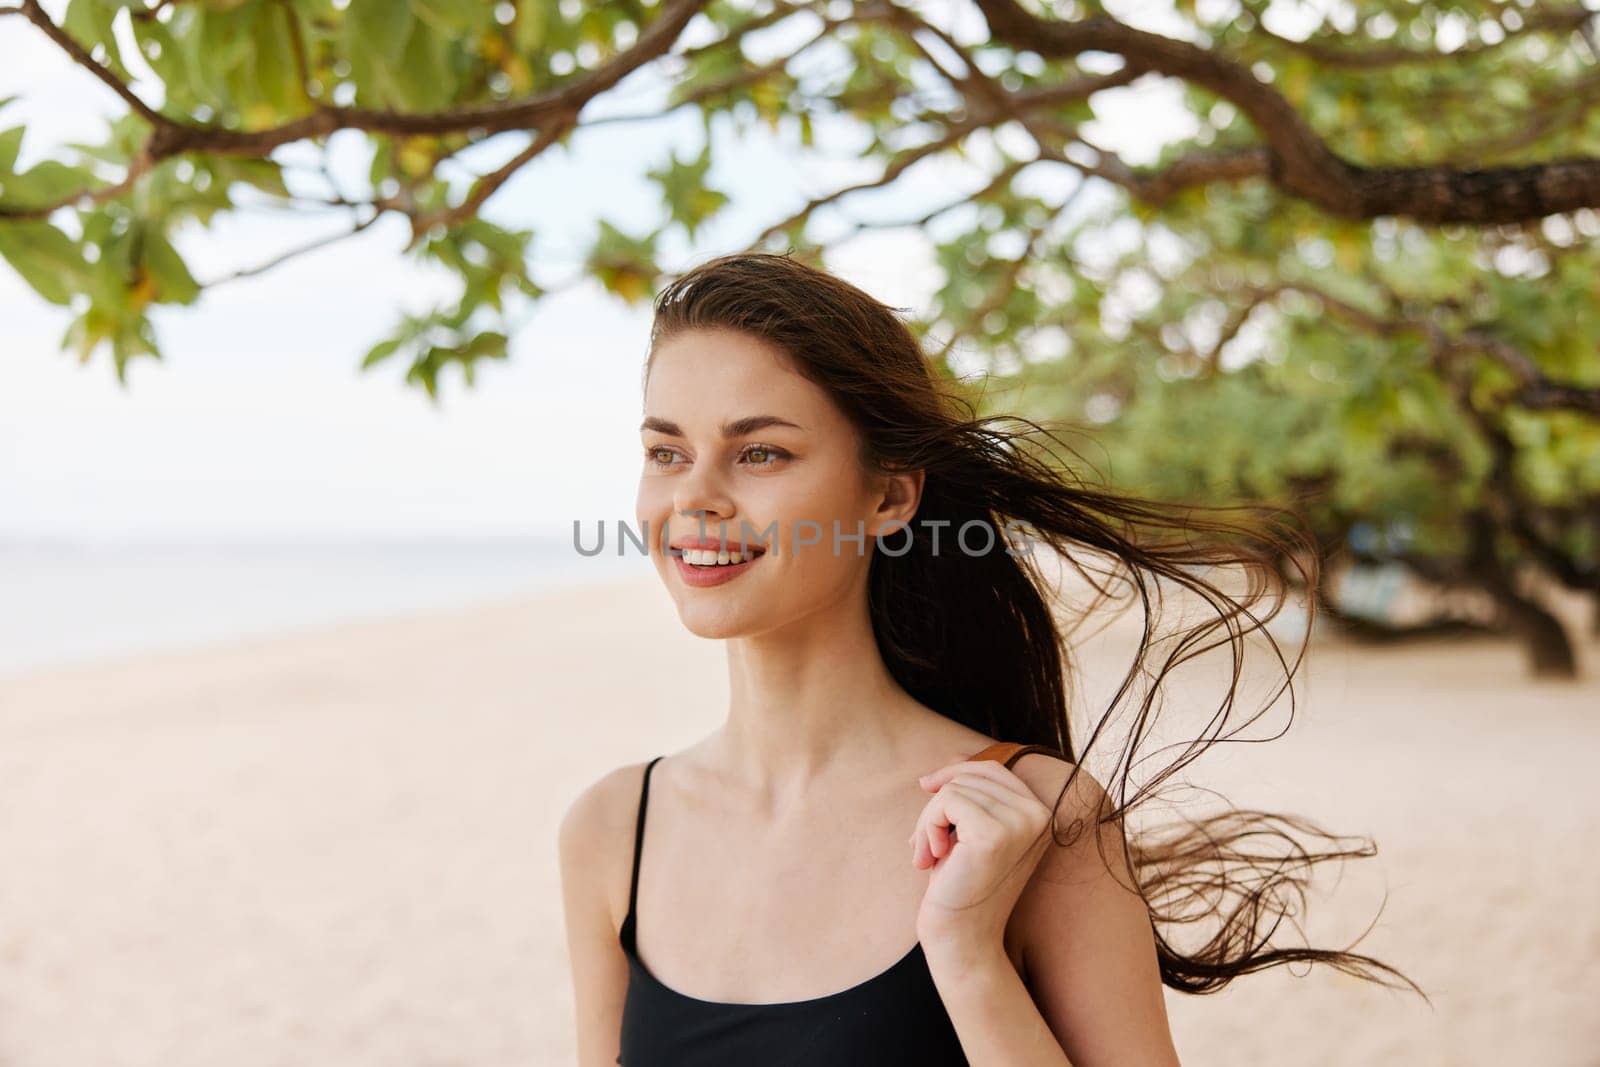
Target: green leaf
381,25
424,76
690,200
263,174
380,352
625,265
216,49
10,146
89,23
452,18
47,182
376,34
532,23
174,283
276,79
47,259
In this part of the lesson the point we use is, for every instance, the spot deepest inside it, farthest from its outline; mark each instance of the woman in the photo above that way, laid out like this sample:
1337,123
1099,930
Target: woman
816,498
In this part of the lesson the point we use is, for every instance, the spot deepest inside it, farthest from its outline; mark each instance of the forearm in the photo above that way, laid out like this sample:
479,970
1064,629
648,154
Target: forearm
994,1015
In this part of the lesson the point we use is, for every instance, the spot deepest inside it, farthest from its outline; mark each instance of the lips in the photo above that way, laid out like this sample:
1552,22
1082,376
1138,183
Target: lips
702,575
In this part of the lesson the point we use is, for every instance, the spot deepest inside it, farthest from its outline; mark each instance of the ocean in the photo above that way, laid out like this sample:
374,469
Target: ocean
65,605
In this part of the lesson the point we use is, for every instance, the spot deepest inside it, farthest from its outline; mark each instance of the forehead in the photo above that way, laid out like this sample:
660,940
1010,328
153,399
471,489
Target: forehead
723,373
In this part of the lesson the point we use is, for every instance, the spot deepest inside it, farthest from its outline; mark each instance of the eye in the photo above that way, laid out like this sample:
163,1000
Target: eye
771,455
653,454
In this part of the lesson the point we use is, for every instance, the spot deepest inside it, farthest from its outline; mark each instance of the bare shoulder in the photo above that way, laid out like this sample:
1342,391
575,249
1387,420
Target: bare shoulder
1047,775
611,799
1080,803
596,847
596,834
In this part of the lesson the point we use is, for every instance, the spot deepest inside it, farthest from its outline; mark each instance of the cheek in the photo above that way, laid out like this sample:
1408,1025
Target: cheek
814,510
652,507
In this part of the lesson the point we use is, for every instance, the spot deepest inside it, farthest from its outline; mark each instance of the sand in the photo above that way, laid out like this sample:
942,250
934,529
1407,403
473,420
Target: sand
337,846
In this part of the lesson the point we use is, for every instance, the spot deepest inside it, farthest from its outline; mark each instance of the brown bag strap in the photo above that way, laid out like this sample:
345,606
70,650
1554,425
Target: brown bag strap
1008,752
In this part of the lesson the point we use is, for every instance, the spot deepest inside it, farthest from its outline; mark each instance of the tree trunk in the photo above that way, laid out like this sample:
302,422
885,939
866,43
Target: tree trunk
1550,652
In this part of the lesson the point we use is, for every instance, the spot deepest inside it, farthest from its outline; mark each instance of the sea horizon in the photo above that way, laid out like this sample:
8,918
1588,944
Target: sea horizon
72,600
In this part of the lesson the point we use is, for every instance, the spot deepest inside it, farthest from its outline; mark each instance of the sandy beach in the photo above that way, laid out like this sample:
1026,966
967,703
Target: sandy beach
337,847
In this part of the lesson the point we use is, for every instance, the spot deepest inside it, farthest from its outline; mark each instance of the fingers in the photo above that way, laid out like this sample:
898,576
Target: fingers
988,769
1010,797
978,784
989,796
923,852
976,817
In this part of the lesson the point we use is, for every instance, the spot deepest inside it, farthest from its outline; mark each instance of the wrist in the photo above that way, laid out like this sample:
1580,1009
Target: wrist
960,954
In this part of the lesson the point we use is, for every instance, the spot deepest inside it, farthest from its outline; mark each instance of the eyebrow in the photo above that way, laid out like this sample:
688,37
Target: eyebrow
736,428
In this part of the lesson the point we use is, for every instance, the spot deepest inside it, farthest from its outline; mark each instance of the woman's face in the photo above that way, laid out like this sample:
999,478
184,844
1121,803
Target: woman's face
732,435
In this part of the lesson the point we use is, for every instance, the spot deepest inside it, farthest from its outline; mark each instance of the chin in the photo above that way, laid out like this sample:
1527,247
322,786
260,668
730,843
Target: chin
716,624
736,609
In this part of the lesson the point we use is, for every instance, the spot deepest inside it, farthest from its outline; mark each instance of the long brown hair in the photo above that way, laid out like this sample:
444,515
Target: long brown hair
973,636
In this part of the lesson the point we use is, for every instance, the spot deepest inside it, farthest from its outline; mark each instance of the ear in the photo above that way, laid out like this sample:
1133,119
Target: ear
901,493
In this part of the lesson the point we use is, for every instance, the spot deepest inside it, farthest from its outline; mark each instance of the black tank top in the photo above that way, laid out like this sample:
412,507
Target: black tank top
893,1018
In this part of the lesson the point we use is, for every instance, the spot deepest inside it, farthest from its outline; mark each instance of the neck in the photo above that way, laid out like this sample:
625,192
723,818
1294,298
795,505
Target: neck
812,704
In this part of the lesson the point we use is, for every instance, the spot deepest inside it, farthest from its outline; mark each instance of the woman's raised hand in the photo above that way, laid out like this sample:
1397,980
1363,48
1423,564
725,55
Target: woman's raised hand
982,832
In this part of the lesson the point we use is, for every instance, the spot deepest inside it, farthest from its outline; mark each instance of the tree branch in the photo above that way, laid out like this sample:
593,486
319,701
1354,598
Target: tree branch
147,13
31,10
171,136
1298,161
1534,391
1015,106
488,184
321,242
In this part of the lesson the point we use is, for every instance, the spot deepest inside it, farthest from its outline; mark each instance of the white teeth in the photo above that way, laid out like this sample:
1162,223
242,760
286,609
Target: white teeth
705,557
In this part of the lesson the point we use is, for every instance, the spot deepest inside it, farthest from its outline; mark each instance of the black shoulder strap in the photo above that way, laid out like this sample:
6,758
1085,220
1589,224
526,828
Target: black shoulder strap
638,834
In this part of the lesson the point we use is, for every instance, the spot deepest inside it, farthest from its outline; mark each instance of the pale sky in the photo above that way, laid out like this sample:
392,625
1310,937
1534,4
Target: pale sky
257,421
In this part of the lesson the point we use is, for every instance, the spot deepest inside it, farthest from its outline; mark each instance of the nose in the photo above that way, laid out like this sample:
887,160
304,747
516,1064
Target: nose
697,493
